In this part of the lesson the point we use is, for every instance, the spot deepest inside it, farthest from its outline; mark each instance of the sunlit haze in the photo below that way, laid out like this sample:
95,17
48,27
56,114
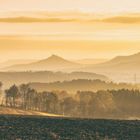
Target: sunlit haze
83,5
70,69
73,29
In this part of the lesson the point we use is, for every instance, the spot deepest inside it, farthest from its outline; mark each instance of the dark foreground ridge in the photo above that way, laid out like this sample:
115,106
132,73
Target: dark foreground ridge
46,128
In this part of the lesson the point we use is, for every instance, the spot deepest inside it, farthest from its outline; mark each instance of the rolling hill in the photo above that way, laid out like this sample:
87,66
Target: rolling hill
52,63
129,63
55,63
10,78
80,85
120,68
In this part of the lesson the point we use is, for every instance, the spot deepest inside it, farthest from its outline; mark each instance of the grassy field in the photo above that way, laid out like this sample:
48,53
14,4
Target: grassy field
47,128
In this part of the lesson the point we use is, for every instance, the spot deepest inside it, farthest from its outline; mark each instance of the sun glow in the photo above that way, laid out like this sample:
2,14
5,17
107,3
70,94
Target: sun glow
81,28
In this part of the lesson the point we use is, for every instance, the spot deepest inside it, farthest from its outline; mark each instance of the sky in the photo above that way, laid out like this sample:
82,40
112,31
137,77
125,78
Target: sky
100,6
72,40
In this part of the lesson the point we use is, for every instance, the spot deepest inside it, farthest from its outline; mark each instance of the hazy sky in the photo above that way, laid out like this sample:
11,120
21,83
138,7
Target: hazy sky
84,5
18,48
70,39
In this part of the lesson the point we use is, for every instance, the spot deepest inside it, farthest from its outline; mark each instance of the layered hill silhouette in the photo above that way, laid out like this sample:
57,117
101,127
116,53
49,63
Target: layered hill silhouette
10,78
52,63
129,63
81,85
119,69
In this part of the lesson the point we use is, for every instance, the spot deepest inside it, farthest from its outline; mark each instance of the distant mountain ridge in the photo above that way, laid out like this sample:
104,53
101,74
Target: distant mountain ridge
120,63
119,69
52,63
130,58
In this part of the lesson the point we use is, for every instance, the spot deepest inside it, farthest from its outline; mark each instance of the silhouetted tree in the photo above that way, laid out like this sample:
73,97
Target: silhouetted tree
1,85
69,106
23,91
12,94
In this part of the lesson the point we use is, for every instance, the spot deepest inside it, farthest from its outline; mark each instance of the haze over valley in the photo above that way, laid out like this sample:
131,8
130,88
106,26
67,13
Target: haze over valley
70,82
69,69
118,69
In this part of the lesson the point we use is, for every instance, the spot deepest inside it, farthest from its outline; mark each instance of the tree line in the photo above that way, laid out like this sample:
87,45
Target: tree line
89,104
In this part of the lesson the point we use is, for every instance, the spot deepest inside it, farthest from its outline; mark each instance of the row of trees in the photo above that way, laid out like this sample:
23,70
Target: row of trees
29,99
105,103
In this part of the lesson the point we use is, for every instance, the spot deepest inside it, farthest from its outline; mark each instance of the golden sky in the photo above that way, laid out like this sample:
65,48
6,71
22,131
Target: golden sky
83,5
18,48
115,31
